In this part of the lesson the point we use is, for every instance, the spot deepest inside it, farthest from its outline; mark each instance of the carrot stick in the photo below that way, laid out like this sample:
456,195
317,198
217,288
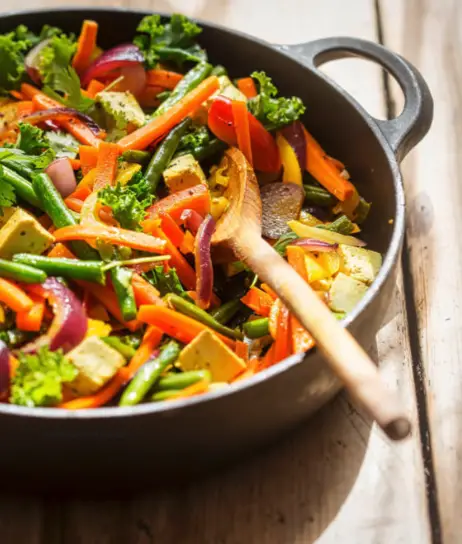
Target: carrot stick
113,235
214,302
177,325
141,138
74,204
247,87
268,360
75,127
101,397
75,163
81,193
259,301
106,165
324,171
195,198
85,46
265,287
88,158
244,375
95,87
149,343
197,388
187,245
301,339
60,250
14,297
172,230
242,350
241,124
144,292
17,95
183,268
283,343
163,78
31,320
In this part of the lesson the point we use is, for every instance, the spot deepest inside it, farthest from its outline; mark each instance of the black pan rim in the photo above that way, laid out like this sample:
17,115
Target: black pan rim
389,260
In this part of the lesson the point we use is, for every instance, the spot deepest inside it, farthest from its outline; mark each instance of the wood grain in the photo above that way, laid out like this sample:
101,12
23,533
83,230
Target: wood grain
336,480
429,33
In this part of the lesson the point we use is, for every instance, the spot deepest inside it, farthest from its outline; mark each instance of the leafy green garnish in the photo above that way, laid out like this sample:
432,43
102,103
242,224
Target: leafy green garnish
166,282
39,377
12,51
281,245
174,41
128,202
63,144
31,139
60,80
7,196
273,111
197,137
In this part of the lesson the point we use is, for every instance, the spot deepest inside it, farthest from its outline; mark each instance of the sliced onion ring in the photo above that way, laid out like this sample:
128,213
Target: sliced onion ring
123,55
70,322
4,368
62,175
311,244
32,59
295,137
203,262
57,114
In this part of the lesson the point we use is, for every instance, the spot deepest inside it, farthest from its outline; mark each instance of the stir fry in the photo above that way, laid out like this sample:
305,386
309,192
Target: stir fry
114,174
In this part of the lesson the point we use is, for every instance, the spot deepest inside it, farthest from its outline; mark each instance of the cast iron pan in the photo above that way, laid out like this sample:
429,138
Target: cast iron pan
51,449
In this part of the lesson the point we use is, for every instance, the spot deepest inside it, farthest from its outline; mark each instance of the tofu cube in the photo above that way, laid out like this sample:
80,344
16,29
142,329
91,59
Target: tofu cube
183,172
96,362
22,233
359,263
208,352
345,293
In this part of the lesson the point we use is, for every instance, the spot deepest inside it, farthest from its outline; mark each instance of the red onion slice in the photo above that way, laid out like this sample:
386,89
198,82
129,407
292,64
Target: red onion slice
70,323
61,114
295,136
314,245
192,220
4,368
203,261
112,59
32,59
62,175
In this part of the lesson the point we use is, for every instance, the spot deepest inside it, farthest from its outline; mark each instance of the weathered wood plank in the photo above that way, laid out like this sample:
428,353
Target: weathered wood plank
338,475
429,33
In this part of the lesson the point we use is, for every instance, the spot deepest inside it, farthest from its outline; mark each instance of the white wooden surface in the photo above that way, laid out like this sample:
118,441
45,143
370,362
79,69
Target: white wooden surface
337,479
429,33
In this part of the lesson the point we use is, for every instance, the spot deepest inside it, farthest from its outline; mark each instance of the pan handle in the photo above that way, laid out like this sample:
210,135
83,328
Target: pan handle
405,131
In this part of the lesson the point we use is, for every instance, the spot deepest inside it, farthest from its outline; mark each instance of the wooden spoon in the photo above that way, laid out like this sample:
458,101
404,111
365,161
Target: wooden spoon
239,230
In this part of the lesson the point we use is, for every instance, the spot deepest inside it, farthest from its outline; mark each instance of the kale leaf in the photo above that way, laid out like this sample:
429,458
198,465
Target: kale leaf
7,196
39,377
196,138
173,42
128,202
12,51
273,111
62,143
31,139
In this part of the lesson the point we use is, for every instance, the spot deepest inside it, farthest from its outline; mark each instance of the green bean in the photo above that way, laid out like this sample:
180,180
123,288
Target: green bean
22,187
256,328
191,310
202,152
159,396
163,95
20,167
362,211
134,155
318,195
122,283
180,380
148,374
226,311
164,154
342,225
219,70
189,82
53,204
116,343
67,268
21,272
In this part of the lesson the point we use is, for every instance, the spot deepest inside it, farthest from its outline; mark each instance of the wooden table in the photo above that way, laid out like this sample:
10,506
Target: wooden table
338,479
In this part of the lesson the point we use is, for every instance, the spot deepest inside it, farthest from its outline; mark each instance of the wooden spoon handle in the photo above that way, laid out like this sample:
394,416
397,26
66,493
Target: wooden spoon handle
345,356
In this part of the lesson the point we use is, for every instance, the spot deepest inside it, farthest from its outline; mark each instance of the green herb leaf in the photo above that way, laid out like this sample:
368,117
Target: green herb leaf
174,41
12,51
196,138
273,111
63,144
31,139
7,196
166,282
39,377
281,245
128,202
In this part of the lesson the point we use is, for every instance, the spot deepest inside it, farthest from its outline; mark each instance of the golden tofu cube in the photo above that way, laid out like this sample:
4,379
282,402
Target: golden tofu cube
345,293
359,263
183,172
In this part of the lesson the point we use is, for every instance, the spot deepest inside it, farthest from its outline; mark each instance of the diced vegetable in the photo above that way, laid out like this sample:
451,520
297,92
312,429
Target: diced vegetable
361,264
345,293
182,173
